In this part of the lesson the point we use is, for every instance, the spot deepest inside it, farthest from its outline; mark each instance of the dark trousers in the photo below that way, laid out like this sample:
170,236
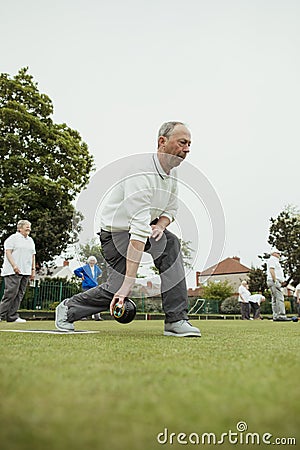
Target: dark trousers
245,311
255,310
167,258
15,286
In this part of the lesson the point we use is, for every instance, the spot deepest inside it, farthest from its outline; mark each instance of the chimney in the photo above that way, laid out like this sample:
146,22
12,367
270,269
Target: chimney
66,263
237,258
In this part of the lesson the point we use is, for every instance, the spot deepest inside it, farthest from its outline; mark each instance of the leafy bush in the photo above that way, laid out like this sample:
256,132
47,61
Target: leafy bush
231,305
218,291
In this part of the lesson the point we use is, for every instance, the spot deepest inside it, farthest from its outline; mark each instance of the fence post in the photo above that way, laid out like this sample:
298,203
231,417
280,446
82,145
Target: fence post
143,303
35,294
60,291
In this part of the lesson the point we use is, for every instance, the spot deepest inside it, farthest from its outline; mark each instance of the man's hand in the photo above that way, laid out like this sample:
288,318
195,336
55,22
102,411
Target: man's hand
157,232
134,253
116,299
159,228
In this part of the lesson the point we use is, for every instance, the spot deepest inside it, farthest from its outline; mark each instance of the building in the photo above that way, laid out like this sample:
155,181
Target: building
63,271
230,269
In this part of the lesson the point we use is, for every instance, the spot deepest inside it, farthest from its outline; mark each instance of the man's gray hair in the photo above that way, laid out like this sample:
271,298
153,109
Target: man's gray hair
167,128
21,224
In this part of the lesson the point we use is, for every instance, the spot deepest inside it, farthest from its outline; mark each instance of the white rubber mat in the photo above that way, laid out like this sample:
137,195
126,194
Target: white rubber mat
51,331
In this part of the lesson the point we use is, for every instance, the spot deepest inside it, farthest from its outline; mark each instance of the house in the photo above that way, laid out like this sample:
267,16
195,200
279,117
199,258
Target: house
229,269
63,271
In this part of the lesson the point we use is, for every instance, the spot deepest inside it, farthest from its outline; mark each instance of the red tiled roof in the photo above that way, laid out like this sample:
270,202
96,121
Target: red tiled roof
226,267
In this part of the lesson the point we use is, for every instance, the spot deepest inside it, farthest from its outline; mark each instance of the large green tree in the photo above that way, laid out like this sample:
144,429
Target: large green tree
285,235
44,166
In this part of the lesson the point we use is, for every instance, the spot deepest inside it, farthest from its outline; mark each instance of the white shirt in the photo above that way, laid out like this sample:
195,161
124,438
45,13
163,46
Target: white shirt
93,270
23,249
144,193
255,298
297,288
273,263
244,294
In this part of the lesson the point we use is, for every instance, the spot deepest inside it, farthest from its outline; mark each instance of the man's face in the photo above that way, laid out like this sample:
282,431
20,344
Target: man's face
177,144
25,229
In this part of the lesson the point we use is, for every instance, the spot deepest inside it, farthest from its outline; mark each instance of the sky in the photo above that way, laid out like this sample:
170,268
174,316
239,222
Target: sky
116,70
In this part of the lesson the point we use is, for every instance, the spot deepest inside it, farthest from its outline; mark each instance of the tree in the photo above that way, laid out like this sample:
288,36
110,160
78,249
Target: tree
218,291
43,167
258,279
92,248
285,235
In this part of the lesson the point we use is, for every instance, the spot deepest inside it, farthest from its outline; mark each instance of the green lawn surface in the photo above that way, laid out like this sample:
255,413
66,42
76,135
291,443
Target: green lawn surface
118,389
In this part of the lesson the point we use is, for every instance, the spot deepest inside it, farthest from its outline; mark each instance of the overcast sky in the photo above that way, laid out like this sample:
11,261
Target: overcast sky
115,70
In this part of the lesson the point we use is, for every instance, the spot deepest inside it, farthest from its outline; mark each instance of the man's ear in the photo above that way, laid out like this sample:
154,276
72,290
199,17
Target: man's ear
161,140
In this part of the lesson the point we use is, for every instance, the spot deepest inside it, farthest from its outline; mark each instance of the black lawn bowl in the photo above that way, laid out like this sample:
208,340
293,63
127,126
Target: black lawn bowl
295,319
125,313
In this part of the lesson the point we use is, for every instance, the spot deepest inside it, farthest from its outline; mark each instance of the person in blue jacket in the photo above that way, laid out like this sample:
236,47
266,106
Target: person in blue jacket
89,273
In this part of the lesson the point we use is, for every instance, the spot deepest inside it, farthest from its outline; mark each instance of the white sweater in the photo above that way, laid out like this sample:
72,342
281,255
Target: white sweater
145,192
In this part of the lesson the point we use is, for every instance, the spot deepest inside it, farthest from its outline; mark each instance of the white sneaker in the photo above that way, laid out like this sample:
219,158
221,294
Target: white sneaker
61,318
19,320
182,328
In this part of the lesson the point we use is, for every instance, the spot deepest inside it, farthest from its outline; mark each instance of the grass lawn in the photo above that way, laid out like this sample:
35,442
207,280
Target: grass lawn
121,387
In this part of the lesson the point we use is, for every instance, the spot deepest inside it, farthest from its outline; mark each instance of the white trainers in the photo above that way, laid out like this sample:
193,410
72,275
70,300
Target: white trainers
19,320
182,328
61,318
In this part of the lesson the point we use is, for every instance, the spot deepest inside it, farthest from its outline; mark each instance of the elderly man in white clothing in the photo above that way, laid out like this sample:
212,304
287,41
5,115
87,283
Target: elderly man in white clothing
255,300
134,219
244,295
297,298
275,281
18,268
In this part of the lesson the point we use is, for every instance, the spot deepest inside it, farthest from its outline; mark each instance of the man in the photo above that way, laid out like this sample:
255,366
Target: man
89,274
255,300
275,280
297,298
18,268
134,220
244,295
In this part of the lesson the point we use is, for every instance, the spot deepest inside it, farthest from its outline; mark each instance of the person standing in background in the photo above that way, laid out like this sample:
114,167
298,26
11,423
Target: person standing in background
244,295
275,280
89,273
18,268
297,298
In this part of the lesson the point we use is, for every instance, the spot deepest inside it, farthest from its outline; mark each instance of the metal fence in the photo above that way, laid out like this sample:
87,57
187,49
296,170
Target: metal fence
45,295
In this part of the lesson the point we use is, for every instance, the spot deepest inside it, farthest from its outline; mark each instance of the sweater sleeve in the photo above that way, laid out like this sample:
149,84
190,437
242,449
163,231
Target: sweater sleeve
78,272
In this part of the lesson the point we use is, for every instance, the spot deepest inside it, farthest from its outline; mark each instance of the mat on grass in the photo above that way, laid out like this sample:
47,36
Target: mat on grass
51,331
